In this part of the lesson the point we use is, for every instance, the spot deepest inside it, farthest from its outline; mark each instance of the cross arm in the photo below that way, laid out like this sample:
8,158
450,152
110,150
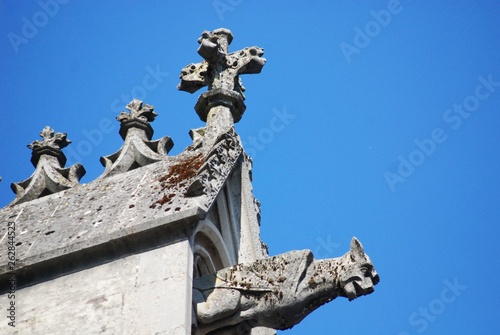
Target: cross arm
193,77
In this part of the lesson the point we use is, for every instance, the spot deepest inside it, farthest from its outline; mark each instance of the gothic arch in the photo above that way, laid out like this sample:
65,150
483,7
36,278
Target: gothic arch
209,249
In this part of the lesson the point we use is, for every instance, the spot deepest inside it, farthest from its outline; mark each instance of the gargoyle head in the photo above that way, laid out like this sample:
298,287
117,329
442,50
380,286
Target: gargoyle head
357,276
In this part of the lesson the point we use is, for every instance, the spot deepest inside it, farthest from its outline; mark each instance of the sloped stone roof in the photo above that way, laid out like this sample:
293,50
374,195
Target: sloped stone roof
178,189
143,194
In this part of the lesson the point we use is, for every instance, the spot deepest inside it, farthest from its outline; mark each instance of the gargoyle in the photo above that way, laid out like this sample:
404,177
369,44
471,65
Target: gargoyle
278,292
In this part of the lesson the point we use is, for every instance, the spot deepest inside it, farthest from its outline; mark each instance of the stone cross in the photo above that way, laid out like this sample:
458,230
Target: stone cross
220,72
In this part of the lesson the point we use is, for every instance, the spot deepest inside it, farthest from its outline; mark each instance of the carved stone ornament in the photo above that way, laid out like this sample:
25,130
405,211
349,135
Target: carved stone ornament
218,164
278,292
220,72
138,149
50,176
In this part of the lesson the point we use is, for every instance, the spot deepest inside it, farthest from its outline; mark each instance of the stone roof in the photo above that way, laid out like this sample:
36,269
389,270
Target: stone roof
174,189
142,190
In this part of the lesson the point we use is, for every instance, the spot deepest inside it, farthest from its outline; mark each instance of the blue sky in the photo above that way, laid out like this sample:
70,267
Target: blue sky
375,119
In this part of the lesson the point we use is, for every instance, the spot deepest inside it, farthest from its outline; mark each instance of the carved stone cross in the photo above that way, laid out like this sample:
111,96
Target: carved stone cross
220,72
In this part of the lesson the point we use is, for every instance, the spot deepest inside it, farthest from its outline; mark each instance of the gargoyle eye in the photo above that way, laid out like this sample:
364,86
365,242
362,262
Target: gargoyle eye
366,268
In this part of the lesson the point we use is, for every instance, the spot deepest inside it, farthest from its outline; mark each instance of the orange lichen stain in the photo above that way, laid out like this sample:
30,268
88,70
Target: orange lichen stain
178,176
182,171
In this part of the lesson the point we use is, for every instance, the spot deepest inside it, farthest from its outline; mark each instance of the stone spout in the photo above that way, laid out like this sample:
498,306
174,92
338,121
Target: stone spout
278,292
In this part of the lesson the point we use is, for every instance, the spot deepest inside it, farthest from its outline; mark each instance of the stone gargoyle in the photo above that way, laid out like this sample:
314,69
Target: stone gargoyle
278,292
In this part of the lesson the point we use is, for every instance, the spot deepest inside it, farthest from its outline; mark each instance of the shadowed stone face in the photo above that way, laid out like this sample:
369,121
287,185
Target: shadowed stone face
278,292
361,282
359,276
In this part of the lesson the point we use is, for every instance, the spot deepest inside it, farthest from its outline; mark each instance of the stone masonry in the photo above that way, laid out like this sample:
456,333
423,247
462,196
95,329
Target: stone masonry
161,244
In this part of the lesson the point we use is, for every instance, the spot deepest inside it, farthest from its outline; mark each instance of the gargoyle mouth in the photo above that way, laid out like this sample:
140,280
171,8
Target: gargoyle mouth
358,287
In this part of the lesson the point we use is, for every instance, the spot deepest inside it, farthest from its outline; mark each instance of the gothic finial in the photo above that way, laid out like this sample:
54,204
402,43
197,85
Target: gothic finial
57,141
50,176
139,116
50,145
138,149
220,72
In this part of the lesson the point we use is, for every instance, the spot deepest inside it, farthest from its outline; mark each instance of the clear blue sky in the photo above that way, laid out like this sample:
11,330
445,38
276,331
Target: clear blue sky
375,119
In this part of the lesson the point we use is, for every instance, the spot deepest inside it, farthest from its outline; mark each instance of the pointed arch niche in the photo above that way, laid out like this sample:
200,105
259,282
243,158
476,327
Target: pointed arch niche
209,249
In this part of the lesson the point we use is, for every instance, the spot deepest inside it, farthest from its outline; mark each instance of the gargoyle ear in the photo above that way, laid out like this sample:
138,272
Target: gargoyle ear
357,249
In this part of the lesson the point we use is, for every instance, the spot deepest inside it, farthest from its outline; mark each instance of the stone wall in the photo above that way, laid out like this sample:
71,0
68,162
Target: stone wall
146,293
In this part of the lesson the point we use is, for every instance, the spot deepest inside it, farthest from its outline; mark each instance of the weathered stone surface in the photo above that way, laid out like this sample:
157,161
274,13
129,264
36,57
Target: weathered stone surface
220,72
96,214
81,229
217,166
118,255
107,210
278,292
145,293
138,149
50,176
